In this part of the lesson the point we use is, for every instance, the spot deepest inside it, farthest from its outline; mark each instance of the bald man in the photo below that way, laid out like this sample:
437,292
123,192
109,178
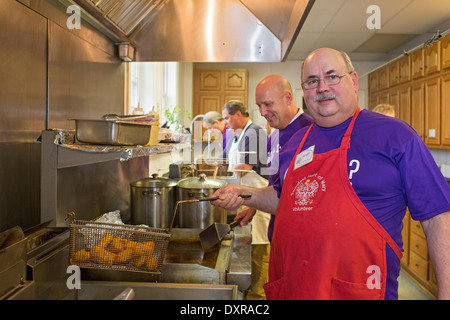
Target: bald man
276,103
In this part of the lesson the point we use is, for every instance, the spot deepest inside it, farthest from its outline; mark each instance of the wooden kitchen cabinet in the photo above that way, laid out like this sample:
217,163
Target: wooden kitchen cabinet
416,261
404,102
214,87
445,52
417,101
383,78
383,98
394,100
417,64
373,82
432,110
404,69
419,261
421,93
394,73
433,58
445,106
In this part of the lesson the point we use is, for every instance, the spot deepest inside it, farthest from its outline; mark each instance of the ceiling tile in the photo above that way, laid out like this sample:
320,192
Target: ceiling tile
384,43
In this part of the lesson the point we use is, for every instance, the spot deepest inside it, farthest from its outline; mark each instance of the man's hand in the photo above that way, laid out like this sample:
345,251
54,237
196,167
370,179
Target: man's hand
229,197
246,214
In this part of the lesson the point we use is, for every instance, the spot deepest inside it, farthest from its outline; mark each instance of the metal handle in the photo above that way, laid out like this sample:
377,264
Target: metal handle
235,223
197,194
243,196
151,193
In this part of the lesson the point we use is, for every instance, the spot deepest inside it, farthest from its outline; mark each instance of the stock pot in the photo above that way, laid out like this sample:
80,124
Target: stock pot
200,214
152,201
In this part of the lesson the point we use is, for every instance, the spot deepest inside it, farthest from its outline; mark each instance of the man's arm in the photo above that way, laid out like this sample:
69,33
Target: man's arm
437,231
264,199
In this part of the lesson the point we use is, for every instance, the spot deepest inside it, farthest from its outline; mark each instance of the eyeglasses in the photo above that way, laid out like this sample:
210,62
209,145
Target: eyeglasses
330,80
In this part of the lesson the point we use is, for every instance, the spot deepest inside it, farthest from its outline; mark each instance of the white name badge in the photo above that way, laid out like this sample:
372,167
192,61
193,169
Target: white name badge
304,157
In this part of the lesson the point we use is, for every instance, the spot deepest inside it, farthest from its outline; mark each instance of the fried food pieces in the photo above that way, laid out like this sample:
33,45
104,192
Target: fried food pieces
102,256
111,251
81,256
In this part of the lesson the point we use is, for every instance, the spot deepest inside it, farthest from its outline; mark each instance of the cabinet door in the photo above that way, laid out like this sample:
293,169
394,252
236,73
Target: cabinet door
432,112
433,58
214,87
210,102
383,78
445,105
417,100
394,100
394,73
373,82
404,68
210,80
383,98
405,104
417,62
235,80
445,45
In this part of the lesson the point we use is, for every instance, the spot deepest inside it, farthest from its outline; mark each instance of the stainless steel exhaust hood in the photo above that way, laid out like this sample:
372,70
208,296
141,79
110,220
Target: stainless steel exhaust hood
202,30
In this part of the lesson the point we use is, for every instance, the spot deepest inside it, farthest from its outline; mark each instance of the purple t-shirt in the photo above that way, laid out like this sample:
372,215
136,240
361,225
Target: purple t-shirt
274,144
390,169
278,139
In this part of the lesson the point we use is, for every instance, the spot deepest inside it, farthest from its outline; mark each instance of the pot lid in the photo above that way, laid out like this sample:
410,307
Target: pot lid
154,182
201,182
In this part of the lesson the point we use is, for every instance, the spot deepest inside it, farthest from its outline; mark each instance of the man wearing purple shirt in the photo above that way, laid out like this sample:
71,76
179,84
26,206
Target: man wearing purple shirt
387,169
276,103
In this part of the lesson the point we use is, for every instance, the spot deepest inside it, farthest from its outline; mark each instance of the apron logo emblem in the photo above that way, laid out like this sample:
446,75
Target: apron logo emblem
306,190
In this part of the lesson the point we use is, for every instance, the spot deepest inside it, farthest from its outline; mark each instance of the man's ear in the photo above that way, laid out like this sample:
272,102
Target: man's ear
289,97
354,76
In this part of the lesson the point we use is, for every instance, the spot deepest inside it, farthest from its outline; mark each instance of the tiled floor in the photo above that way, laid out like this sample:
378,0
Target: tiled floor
409,290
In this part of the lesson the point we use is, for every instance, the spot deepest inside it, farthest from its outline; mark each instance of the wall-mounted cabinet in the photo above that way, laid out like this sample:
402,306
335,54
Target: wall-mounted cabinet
417,64
433,58
418,85
445,103
404,69
394,73
445,52
417,94
404,102
383,78
432,112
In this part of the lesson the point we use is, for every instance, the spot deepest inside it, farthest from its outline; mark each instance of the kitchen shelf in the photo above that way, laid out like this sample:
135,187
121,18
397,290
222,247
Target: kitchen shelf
62,156
60,145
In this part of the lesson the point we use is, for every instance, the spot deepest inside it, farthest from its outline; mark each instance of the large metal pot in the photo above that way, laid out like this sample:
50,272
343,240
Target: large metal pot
199,214
152,201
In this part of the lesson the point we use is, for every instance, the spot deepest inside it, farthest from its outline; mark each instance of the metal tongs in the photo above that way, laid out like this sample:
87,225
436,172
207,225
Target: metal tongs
116,117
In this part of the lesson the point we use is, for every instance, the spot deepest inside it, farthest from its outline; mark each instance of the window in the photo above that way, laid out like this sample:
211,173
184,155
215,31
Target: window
153,86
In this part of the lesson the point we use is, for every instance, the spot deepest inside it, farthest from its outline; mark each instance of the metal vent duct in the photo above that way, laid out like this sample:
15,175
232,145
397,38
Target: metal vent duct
125,14
203,30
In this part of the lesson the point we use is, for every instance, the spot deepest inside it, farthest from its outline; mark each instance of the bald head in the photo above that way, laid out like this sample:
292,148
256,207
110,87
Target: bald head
276,81
275,100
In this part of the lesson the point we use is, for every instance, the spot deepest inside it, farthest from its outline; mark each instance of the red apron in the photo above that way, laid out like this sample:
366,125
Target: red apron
326,244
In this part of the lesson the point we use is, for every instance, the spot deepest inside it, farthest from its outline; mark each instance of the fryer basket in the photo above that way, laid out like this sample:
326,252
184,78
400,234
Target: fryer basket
122,247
